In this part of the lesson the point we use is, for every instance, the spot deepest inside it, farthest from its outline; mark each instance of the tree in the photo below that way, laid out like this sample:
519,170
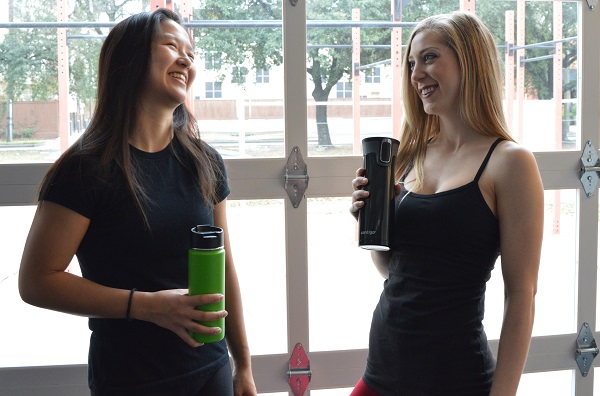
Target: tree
325,65
84,52
539,18
28,57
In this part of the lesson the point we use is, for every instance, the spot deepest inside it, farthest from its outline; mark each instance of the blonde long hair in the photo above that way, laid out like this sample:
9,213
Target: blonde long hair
480,103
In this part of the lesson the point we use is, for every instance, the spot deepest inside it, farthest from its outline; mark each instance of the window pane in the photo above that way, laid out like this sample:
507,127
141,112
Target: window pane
258,243
332,392
552,383
555,300
343,284
29,124
262,278
68,334
538,116
247,119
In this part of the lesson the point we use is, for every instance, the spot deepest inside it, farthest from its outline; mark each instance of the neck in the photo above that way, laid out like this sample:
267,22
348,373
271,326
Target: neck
454,133
153,133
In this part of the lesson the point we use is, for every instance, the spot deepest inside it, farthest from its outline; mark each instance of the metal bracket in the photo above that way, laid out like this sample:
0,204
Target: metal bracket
592,4
590,166
296,177
586,349
299,372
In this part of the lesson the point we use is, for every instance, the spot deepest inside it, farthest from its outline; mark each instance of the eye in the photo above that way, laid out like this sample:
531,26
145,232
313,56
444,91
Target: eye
411,65
191,56
428,57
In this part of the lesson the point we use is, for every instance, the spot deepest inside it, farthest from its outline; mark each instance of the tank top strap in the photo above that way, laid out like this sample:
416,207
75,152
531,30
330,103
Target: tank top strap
487,158
408,169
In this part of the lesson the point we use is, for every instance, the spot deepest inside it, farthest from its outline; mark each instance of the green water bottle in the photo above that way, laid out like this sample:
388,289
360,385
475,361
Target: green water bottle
206,274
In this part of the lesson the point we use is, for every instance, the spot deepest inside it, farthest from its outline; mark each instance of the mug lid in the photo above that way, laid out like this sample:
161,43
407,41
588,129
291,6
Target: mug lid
206,237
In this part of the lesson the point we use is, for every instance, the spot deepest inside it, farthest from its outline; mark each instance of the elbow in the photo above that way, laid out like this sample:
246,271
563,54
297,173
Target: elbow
27,290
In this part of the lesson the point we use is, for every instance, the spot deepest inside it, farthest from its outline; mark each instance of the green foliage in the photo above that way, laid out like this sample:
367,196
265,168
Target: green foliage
84,53
539,21
327,66
237,45
28,57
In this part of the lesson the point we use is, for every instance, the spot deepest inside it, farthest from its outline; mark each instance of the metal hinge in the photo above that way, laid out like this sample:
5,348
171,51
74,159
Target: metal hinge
296,177
586,349
590,166
592,4
299,371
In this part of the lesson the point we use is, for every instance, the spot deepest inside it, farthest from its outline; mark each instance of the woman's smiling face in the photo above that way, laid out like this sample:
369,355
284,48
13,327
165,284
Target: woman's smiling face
434,73
171,68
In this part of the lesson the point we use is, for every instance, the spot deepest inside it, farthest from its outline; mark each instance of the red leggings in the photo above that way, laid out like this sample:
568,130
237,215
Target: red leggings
361,389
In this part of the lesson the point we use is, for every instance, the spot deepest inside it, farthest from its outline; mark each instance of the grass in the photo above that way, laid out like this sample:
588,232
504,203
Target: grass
34,151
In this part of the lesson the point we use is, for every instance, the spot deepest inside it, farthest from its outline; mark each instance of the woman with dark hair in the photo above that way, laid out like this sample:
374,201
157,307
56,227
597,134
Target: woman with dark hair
123,199
466,193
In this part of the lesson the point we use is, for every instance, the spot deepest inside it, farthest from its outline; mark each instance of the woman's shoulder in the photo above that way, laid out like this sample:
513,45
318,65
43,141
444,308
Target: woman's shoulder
513,163
512,154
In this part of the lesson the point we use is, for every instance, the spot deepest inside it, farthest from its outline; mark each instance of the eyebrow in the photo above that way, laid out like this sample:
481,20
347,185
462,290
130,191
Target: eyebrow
164,36
425,50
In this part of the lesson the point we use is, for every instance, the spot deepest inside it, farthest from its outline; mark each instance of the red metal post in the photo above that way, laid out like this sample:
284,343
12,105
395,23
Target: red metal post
509,67
63,77
520,68
396,70
154,4
356,82
186,12
558,95
558,71
467,5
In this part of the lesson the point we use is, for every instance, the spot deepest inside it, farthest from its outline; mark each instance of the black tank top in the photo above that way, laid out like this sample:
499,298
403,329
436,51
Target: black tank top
426,336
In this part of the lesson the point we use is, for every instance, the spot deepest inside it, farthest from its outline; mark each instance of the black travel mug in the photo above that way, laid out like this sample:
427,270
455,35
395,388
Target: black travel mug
375,218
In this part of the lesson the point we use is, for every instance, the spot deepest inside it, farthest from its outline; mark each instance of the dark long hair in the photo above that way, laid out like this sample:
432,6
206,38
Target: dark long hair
123,70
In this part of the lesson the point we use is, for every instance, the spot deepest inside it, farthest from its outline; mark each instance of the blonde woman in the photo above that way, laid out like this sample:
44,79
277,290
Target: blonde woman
467,193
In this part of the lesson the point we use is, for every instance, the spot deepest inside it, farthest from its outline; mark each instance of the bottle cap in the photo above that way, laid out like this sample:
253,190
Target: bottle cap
207,237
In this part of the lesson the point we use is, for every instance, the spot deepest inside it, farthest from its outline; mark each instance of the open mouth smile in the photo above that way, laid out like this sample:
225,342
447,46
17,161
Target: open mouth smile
179,76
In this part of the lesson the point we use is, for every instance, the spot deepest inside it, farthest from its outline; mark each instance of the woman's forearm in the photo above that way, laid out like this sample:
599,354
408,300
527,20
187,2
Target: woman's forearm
514,343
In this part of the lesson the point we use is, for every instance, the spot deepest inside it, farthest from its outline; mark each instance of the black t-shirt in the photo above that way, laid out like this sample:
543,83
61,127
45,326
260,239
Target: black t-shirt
119,250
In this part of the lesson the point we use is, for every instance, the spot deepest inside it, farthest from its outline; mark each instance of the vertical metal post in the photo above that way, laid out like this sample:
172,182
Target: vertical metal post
509,66
154,4
9,121
295,118
396,70
356,82
467,5
558,71
558,94
520,67
63,77
186,12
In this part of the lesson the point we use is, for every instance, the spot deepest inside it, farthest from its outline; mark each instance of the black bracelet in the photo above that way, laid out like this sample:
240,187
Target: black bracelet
129,303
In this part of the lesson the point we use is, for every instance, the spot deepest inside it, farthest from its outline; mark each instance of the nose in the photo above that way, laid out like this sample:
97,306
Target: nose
417,72
185,61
